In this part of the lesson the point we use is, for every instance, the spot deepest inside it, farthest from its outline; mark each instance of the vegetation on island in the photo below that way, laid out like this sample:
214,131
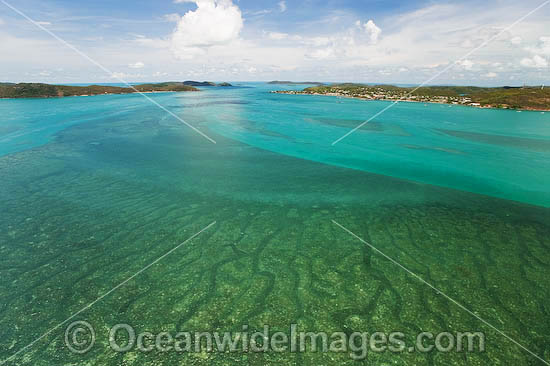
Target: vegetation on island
527,97
168,86
38,90
204,83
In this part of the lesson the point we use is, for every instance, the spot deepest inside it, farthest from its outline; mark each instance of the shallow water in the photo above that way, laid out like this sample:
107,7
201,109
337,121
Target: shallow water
94,189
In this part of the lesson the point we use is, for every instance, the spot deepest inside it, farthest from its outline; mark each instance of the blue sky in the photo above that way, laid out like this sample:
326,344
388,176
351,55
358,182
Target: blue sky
370,41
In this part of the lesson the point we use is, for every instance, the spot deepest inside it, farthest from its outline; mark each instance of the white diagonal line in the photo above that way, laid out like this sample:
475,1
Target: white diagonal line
485,43
364,123
440,292
107,70
105,295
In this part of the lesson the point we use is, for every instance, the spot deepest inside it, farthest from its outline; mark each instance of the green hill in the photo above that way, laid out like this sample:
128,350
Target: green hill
532,97
38,90
204,83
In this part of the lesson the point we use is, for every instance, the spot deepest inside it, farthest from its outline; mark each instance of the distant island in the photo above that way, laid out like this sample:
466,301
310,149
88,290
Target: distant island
527,98
204,83
277,82
38,90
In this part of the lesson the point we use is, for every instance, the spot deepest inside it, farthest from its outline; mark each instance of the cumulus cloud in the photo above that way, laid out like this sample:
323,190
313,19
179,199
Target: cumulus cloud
536,62
371,30
214,22
466,64
540,54
542,48
282,6
355,42
330,46
137,65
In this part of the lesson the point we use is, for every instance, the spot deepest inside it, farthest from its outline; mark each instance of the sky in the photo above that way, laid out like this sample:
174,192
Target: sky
376,41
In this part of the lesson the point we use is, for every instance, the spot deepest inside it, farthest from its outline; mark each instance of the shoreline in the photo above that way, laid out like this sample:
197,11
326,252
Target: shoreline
339,95
42,91
95,95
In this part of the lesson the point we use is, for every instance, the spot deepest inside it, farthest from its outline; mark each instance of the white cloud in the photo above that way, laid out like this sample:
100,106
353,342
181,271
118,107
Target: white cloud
537,62
282,6
119,75
277,36
516,40
413,46
43,23
466,64
317,41
152,42
371,30
214,22
433,66
259,12
174,17
321,54
354,43
137,65
491,75
126,77
540,54
542,47
467,44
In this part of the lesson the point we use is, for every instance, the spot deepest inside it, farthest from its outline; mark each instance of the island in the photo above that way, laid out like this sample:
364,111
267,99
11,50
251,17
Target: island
277,82
535,98
38,90
204,83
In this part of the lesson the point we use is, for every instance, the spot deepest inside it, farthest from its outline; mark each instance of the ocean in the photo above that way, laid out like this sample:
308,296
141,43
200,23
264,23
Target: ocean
95,189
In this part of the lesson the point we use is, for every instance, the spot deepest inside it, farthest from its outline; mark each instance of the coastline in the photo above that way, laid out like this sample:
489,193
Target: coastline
40,90
95,95
340,95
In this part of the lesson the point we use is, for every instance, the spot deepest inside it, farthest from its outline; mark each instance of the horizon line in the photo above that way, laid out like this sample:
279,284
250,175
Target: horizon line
89,83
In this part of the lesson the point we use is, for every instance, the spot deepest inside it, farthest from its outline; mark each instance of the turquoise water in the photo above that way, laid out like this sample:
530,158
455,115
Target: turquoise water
96,188
498,153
